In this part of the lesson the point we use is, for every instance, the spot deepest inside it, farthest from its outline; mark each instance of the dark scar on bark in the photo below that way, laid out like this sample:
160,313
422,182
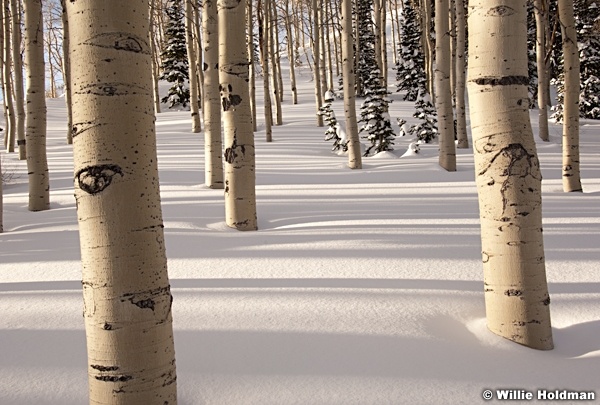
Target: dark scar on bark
513,293
502,81
95,179
230,153
104,368
230,101
118,40
81,127
500,11
110,89
113,378
145,299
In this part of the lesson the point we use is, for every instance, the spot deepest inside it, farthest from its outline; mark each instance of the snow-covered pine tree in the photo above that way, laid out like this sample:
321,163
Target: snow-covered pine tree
411,61
588,27
426,130
332,132
374,116
174,56
531,56
367,61
587,15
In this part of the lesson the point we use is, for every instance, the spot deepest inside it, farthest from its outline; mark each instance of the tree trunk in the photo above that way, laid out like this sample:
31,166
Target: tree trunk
354,153
540,9
191,54
18,69
154,48
291,55
272,58
459,93
317,61
67,71
11,130
428,46
240,178
127,298
37,164
252,65
198,52
508,174
263,38
570,170
443,95
213,144
383,42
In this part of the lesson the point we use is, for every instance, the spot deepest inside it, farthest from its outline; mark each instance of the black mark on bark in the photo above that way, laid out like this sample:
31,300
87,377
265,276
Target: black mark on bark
237,69
500,11
228,4
502,81
104,368
81,127
111,89
113,378
231,152
120,41
546,301
147,299
95,179
513,293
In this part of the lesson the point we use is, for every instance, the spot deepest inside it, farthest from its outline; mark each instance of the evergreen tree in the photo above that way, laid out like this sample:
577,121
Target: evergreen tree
374,116
426,130
410,66
333,127
175,68
367,61
531,56
587,15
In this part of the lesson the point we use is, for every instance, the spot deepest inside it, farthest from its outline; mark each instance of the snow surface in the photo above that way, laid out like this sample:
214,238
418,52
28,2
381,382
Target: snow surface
360,287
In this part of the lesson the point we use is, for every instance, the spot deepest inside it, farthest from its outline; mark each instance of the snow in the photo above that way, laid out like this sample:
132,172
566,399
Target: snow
360,287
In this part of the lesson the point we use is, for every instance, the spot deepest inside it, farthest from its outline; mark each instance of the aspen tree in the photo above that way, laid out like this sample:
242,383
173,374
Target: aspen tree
66,70
11,130
272,59
317,60
570,138
540,9
354,153
18,73
213,143
155,49
459,92
198,51
263,40
252,62
191,53
35,124
443,95
291,54
240,178
127,297
507,174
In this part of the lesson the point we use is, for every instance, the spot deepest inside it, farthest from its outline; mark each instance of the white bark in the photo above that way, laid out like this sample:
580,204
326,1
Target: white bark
213,144
240,178
127,298
508,174
263,32
11,130
37,164
317,61
570,170
272,58
443,94
67,71
252,65
191,53
459,93
354,154
18,72
291,56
